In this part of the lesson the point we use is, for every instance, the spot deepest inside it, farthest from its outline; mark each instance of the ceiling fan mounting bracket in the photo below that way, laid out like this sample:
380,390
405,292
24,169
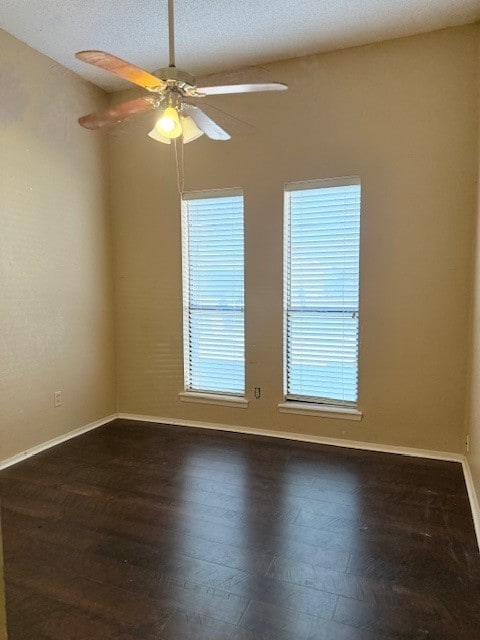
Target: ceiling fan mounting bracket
176,77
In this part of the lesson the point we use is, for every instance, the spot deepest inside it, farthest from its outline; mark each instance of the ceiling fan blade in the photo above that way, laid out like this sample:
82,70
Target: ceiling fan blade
122,69
240,88
205,123
118,112
227,120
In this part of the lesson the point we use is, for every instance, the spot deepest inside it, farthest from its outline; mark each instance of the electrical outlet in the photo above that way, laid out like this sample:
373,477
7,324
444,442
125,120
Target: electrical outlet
467,444
57,399
257,393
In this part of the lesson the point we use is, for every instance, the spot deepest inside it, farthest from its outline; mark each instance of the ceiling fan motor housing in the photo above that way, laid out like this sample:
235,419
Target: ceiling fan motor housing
176,77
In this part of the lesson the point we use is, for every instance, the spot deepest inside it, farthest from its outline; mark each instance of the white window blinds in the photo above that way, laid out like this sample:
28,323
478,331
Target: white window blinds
322,234
213,270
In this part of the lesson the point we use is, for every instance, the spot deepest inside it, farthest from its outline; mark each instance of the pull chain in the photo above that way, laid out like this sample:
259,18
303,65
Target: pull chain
179,164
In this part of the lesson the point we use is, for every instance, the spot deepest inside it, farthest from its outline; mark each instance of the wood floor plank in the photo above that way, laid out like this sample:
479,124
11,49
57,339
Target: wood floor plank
40,616
412,620
269,622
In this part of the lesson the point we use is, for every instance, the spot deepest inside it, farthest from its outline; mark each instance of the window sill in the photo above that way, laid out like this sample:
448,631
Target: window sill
212,398
320,410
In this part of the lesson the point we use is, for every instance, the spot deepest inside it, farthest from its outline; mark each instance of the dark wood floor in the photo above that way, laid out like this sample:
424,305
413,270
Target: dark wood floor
141,532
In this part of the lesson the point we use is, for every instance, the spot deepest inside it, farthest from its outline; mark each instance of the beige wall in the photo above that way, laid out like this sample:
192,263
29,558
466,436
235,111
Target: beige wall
401,114
473,424
56,292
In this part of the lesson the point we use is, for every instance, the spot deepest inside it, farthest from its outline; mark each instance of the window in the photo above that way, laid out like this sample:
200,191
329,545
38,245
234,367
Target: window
322,233
214,350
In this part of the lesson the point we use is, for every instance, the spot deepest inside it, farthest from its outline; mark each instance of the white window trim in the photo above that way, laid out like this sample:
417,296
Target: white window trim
344,181
320,410
213,398
212,193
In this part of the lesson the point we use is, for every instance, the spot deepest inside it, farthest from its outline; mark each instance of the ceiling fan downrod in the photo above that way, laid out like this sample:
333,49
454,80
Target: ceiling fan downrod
171,34
175,78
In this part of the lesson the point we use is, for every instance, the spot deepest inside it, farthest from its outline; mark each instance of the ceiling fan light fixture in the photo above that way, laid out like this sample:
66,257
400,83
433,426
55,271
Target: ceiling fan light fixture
190,130
169,125
168,86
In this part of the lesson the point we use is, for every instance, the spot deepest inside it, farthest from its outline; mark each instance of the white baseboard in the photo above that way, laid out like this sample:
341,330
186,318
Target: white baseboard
58,440
473,497
286,435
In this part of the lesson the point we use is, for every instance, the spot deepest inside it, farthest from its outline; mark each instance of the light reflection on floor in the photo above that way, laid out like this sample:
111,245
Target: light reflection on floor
299,547
208,474
289,549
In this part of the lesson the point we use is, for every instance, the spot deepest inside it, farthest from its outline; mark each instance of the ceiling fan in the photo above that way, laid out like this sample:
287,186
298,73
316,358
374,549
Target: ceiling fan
171,91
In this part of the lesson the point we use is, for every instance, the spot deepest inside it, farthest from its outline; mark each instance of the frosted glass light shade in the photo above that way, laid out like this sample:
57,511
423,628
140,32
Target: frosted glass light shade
190,130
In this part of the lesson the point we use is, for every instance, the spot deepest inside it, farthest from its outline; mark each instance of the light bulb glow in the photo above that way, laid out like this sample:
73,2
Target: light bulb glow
155,135
168,124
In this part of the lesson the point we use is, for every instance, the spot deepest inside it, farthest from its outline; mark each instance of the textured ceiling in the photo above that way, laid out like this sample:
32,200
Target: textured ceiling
213,35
